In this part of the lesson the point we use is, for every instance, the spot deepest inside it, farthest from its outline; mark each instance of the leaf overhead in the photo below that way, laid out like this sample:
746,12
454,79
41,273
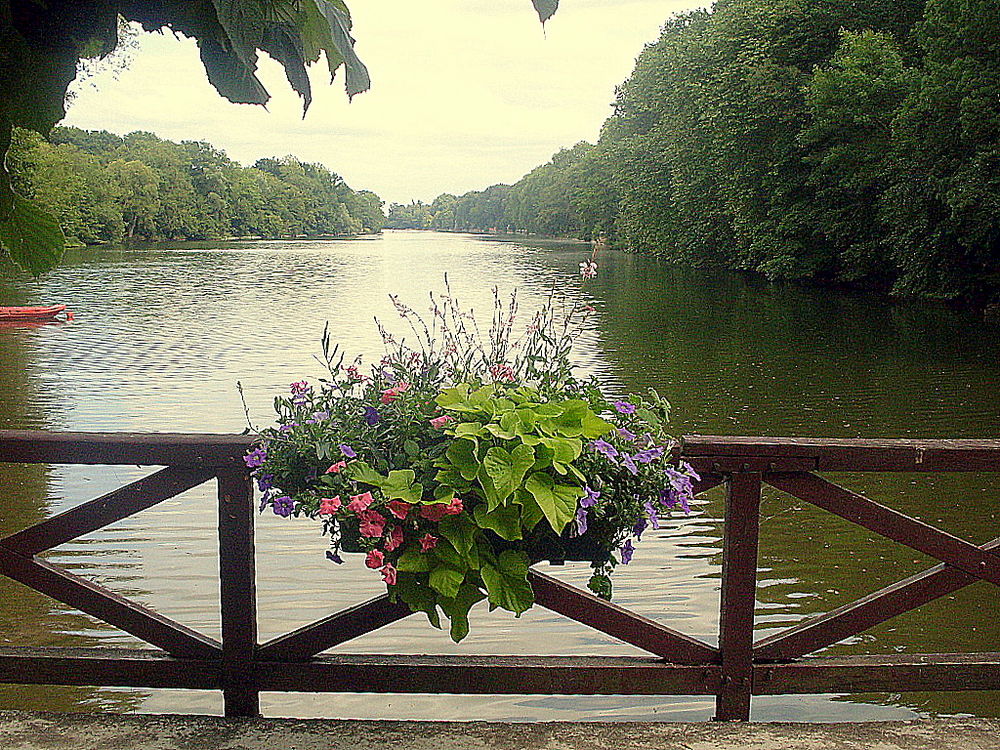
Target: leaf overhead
545,8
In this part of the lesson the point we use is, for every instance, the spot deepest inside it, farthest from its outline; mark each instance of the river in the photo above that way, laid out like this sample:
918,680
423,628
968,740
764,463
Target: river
163,334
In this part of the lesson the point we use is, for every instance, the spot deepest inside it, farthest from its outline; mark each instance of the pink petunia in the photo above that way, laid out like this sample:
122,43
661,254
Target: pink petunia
402,387
427,542
399,508
329,505
360,502
439,422
375,559
389,574
395,539
336,468
454,507
389,395
372,524
434,511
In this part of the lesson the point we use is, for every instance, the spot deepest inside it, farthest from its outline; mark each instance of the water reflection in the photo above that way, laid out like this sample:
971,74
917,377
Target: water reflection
163,334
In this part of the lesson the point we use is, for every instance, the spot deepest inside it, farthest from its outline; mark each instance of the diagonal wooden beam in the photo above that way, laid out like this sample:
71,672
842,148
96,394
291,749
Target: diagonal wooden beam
103,511
618,622
891,524
309,640
868,611
106,605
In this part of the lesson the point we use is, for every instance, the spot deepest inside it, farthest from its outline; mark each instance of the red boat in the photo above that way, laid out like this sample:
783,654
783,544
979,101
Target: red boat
12,314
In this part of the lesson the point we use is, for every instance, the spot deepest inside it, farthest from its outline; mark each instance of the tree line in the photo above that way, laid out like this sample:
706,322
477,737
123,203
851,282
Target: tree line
843,141
107,188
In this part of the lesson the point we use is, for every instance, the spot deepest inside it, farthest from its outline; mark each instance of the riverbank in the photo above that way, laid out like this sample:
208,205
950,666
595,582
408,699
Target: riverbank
51,731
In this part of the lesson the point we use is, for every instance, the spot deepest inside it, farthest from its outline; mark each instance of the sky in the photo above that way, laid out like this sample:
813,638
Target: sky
465,93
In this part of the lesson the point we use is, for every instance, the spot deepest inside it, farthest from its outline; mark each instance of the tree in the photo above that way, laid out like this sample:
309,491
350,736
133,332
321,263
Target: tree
41,45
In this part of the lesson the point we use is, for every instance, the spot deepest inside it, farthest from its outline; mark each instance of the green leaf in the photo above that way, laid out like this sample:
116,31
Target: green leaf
506,581
469,430
31,237
419,597
504,520
413,561
506,470
462,454
460,531
557,501
446,580
545,8
455,399
457,609
400,485
359,471
339,19
411,448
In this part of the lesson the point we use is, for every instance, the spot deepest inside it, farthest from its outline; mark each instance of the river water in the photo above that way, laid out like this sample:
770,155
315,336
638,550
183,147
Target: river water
162,335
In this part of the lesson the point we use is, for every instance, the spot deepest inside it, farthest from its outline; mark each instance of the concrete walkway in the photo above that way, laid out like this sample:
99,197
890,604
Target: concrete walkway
48,731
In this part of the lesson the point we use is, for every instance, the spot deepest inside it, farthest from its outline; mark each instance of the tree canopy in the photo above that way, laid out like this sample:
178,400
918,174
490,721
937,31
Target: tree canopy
42,44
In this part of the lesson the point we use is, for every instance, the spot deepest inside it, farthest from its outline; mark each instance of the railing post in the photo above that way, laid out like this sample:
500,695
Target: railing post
739,589
238,594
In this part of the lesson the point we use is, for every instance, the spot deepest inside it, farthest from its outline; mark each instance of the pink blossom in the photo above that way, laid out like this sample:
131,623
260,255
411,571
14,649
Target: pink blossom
399,508
454,507
434,511
336,468
402,387
389,574
360,502
372,524
389,395
439,422
428,541
395,539
329,505
374,559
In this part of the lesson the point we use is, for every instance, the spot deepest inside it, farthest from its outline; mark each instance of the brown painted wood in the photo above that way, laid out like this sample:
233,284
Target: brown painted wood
112,667
891,524
105,510
741,534
672,645
139,449
833,454
238,594
108,606
880,673
490,675
309,640
868,611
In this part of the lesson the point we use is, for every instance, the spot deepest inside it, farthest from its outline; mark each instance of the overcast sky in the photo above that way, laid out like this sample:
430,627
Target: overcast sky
465,93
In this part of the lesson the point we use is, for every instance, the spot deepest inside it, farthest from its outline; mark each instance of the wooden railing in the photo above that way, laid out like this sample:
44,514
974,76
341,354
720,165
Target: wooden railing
678,664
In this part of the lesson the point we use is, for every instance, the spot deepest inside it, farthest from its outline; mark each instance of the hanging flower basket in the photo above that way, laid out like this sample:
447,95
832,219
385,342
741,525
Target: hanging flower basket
453,464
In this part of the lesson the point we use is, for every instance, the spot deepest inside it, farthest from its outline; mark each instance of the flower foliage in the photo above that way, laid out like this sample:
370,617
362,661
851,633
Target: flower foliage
456,462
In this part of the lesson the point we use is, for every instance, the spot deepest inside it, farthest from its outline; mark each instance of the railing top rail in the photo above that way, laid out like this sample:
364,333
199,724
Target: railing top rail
123,448
839,454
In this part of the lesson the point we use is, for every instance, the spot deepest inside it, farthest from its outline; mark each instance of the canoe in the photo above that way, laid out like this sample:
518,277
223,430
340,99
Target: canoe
31,313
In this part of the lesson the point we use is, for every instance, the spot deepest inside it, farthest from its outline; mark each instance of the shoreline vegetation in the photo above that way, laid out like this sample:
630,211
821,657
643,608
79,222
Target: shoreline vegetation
109,189
844,143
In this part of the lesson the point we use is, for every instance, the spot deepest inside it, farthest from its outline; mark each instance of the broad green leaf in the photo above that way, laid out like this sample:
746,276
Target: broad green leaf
359,471
419,597
460,531
531,511
545,8
462,454
594,427
457,609
557,501
446,580
455,399
506,582
413,561
506,470
31,237
469,430
446,553
339,19
504,520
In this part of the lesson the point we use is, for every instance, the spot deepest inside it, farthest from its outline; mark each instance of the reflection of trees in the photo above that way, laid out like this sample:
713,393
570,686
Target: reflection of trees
738,356
27,617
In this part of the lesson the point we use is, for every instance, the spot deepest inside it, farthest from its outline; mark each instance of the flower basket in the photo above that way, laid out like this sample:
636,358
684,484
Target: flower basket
456,465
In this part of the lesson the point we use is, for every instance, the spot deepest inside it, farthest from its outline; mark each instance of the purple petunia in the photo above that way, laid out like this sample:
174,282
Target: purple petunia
640,526
627,551
347,451
318,417
649,455
623,432
604,448
283,506
372,417
624,407
256,457
654,518
334,557
581,521
265,482
629,463
590,497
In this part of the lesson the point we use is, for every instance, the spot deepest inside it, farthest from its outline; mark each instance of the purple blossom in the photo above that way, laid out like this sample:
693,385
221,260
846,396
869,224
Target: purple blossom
288,427
318,417
283,506
590,497
654,518
640,526
649,455
624,407
629,463
265,482
689,470
623,432
627,551
256,457
604,448
668,498
372,417
334,557
347,451
581,521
